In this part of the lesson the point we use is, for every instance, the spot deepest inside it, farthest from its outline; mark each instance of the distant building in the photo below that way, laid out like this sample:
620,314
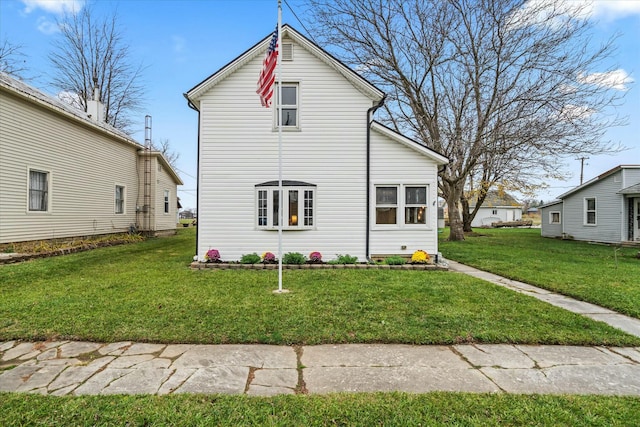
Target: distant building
65,173
605,209
496,207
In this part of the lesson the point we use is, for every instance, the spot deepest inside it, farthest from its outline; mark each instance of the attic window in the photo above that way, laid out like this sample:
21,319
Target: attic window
287,51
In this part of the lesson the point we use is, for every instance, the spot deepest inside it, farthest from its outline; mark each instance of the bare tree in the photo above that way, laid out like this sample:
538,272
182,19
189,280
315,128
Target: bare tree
91,47
164,146
12,59
503,88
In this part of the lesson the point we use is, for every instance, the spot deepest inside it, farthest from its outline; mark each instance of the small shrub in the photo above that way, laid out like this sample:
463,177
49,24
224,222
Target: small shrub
345,259
293,258
395,260
420,257
315,257
268,258
253,258
212,255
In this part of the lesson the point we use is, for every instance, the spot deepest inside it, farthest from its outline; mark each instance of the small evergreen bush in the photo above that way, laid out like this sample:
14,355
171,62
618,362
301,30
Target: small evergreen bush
253,258
293,258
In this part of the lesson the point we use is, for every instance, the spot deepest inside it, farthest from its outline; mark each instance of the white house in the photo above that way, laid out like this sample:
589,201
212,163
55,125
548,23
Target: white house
351,185
64,173
605,209
497,207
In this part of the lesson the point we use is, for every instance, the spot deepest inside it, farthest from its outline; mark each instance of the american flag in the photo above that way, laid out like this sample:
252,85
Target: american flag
267,74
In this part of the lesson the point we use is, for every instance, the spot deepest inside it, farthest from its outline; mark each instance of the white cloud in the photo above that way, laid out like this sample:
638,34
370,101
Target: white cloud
570,112
618,79
47,26
70,98
611,10
54,6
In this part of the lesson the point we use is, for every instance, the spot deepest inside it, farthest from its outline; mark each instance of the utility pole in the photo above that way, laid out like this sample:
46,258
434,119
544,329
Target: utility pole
582,159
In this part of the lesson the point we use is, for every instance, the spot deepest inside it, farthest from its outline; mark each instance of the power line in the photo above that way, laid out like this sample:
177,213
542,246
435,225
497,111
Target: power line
301,23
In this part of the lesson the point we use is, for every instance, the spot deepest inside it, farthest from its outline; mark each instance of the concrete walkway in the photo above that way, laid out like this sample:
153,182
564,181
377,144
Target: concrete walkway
82,368
628,324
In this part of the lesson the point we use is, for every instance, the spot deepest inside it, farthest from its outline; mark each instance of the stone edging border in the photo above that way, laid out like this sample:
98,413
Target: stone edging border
259,266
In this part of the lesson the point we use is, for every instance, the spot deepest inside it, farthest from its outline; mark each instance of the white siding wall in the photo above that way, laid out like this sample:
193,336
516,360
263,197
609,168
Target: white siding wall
396,164
239,149
609,211
164,221
547,229
84,169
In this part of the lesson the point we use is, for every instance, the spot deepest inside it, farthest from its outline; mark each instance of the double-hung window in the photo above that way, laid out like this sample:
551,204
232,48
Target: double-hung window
166,201
554,217
289,106
38,191
590,211
119,199
401,205
298,205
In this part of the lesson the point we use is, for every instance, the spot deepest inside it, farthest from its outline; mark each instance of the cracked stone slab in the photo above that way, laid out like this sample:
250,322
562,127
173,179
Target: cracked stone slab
77,348
176,379
76,375
630,352
221,379
123,362
11,379
498,355
99,381
41,378
174,350
18,351
143,348
258,356
115,349
63,391
156,363
4,346
609,380
365,355
138,381
553,355
410,379
277,378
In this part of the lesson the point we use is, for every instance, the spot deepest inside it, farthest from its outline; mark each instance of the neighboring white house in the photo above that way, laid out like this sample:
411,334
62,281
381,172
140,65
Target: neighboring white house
605,209
497,207
351,186
65,174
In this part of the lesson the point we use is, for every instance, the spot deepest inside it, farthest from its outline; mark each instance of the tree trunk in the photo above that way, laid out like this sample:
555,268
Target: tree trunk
466,215
455,224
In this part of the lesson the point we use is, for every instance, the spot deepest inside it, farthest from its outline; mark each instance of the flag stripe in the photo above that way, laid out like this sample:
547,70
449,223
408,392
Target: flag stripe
267,74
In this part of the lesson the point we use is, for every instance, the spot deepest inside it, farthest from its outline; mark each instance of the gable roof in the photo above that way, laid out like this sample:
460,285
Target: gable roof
193,95
165,164
496,199
36,97
598,179
408,142
56,106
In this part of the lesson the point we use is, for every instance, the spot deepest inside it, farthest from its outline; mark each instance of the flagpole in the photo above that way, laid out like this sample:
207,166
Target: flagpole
279,106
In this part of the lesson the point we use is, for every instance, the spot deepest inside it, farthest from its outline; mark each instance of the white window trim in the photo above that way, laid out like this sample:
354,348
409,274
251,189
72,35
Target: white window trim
285,215
400,218
551,217
49,192
276,110
595,211
124,200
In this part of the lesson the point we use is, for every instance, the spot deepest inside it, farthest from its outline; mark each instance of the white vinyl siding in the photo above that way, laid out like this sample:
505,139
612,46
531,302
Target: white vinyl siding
548,228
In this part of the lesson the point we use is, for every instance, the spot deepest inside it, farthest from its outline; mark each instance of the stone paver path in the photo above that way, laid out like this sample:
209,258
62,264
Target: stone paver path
81,368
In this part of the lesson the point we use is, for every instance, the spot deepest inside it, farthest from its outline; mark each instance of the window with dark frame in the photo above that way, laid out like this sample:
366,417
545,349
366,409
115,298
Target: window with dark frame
166,201
38,191
119,199
590,211
298,205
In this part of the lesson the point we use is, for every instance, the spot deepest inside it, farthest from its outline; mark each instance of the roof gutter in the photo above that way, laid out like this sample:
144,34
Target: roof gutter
370,111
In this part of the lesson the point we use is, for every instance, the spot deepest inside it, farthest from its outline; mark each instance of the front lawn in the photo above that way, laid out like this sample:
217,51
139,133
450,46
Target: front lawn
600,274
364,409
146,292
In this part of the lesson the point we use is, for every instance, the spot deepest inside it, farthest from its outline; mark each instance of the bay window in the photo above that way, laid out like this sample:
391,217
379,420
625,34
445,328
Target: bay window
298,205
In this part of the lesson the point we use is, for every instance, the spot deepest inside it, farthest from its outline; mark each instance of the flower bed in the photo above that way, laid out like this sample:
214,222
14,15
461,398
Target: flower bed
196,265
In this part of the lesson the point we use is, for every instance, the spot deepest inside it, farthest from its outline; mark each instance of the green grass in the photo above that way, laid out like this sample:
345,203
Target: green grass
600,274
366,409
146,292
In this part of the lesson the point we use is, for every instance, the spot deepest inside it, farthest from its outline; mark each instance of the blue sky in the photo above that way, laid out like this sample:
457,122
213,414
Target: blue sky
183,42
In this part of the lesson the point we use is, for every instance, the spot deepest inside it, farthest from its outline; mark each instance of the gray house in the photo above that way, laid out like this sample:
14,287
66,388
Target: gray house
605,209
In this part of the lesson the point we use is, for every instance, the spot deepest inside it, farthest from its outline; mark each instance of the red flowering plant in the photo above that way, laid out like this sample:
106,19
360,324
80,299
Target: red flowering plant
212,255
315,257
268,258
